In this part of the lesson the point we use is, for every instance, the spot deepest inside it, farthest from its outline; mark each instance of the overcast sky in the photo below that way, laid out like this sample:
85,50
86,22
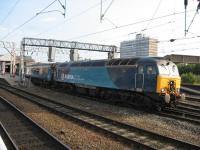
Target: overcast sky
82,21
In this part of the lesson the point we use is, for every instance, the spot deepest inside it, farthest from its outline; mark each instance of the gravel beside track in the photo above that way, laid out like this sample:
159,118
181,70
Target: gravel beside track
25,133
165,126
145,138
70,133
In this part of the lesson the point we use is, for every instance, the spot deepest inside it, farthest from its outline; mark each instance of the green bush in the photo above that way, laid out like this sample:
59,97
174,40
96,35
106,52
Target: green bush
197,80
193,68
190,78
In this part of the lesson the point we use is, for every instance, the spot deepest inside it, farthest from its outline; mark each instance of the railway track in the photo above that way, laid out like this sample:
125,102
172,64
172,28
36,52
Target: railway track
20,132
180,114
127,133
191,86
193,98
191,90
184,111
6,139
189,107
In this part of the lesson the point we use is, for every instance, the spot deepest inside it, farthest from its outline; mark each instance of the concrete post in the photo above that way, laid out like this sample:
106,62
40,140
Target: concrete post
74,56
14,62
112,55
51,54
11,63
22,62
3,67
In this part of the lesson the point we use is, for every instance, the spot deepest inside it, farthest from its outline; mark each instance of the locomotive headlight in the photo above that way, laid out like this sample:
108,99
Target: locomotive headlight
163,90
171,82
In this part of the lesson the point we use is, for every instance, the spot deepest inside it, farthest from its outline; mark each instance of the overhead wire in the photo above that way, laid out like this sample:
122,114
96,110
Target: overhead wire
103,14
181,38
147,29
181,44
178,50
155,12
172,40
169,46
71,18
27,21
10,12
198,7
125,25
138,31
89,33
150,28
192,21
195,43
122,26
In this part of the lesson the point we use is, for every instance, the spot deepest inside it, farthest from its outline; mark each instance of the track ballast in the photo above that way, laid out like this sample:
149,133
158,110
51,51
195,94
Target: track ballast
127,133
24,133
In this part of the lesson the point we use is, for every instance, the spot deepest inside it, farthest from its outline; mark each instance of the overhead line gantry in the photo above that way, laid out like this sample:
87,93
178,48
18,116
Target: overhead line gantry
70,45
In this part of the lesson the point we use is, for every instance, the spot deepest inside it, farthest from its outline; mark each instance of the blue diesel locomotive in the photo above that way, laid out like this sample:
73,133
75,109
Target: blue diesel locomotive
148,80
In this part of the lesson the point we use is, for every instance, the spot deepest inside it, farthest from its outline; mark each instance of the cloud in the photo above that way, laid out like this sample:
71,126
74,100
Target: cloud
3,28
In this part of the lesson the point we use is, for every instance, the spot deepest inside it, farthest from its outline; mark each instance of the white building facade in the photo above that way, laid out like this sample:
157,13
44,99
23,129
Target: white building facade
140,47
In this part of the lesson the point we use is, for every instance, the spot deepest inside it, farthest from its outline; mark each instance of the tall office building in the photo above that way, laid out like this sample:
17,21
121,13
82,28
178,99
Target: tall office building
142,46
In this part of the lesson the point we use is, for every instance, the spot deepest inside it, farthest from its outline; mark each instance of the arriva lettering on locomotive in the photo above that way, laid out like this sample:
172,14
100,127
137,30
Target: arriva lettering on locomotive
70,77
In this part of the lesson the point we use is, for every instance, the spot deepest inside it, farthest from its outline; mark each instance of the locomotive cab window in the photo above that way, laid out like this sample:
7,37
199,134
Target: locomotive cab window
174,70
163,69
151,70
140,69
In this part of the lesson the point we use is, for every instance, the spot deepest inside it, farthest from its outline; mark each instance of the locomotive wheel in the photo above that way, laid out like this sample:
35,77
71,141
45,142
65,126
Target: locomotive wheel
173,101
158,108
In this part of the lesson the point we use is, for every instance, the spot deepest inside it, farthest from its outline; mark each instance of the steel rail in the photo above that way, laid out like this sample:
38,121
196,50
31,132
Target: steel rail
181,115
193,98
189,104
189,108
130,134
26,133
8,141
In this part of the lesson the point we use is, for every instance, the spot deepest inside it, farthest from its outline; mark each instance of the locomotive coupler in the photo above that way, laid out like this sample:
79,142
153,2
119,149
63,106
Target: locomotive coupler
172,91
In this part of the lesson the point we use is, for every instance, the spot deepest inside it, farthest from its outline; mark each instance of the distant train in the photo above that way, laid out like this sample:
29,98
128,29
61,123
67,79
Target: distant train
144,80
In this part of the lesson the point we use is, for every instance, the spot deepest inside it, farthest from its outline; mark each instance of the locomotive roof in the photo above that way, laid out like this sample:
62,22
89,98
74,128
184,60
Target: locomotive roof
115,62
41,64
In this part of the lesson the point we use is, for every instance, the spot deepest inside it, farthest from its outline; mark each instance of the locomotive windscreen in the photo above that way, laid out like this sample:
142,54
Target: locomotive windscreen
170,69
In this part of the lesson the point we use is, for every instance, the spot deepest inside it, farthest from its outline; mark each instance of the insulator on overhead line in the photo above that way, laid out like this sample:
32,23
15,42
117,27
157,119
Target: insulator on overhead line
172,40
198,6
185,3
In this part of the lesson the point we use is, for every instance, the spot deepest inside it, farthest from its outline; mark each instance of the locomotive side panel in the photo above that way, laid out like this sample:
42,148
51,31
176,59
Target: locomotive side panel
123,77
89,76
41,73
150,74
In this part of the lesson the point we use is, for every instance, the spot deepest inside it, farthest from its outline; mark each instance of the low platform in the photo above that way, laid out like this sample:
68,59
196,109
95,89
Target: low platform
10,80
